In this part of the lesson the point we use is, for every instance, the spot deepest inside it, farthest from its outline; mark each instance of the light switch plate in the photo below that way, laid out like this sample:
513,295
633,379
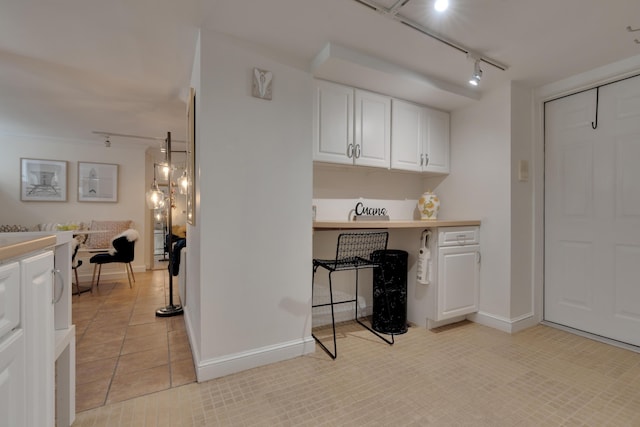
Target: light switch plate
523,171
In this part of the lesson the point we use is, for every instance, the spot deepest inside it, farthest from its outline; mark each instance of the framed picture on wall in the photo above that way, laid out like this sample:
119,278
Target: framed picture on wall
191,159
43,180
97,182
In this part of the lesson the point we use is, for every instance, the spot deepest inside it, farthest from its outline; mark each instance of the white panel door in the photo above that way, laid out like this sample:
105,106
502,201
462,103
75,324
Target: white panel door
592,212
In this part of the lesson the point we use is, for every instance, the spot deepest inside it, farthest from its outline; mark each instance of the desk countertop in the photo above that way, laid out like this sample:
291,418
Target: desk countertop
349,225
14,245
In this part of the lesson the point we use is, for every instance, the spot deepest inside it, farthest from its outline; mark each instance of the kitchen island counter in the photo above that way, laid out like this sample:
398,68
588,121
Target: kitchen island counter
14,245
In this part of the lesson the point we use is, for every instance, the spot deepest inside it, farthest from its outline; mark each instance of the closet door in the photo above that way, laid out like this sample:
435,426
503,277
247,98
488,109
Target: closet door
592,212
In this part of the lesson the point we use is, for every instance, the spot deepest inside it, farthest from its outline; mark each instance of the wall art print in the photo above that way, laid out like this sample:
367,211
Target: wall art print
43,180
97,182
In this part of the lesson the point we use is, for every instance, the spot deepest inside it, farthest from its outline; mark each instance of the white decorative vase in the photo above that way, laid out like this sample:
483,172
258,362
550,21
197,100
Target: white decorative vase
428,205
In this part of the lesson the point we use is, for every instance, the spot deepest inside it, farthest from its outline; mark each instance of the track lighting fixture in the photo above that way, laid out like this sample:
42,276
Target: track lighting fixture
477,73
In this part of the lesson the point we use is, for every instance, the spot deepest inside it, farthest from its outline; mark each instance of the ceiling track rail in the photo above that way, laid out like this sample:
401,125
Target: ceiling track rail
124,135
393,13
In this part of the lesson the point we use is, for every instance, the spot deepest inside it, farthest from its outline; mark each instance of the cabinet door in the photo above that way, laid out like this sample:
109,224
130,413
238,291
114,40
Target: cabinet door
39,334
372,129
333,123
12,379
406,136
436,141
458,280
9,297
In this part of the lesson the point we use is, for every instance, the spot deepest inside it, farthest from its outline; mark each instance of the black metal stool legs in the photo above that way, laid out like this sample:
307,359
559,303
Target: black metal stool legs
331,303
374,332
333,319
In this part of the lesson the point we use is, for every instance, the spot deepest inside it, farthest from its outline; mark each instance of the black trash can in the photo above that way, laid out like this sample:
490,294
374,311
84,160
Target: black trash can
390,312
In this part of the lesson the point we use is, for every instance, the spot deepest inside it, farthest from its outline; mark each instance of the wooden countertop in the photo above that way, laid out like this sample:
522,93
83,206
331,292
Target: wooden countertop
14,245
351,225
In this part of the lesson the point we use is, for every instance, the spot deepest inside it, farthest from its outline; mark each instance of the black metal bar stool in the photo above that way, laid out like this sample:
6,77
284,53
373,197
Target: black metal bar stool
353,252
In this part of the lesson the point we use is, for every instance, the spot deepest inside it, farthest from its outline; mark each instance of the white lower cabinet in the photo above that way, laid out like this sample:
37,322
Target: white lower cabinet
12,351
37,287
13,396
27,342
455,285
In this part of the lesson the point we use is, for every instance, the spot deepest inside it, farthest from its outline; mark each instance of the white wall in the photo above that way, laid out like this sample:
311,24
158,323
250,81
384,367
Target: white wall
131,185
522,242
192,305
255,191
479,185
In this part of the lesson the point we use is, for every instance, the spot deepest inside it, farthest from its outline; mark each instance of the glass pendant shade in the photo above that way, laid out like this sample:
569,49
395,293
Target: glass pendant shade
183,183
155,197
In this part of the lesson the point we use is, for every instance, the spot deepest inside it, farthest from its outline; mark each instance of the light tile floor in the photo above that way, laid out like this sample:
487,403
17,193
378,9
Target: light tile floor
122,349
464,375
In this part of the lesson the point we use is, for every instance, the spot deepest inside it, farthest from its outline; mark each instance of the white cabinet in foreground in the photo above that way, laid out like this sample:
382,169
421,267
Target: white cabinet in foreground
454,289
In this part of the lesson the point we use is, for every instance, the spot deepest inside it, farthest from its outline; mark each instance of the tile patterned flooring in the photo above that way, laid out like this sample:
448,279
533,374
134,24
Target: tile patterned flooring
122,349
463,375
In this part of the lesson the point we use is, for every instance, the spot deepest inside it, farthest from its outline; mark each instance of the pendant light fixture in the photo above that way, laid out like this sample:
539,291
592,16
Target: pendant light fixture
183,183
155,197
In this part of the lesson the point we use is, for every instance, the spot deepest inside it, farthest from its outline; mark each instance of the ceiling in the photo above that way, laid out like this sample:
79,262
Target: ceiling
71,67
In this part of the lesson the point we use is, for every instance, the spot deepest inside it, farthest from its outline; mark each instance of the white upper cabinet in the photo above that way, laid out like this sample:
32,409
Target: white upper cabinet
373,129
333,123
437,141
420,138
351,126
407,136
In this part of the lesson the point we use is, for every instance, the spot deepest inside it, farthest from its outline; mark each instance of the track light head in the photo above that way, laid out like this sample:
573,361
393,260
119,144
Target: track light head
477,74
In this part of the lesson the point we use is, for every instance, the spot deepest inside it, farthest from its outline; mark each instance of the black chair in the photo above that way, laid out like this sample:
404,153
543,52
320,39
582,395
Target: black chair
123,252
353,252
75,263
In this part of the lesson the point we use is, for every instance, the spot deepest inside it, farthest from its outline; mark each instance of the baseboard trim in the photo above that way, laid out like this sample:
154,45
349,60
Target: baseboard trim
209,369
504,324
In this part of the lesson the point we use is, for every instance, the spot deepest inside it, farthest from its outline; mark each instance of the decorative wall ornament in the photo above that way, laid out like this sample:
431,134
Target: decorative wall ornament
262,84
43,180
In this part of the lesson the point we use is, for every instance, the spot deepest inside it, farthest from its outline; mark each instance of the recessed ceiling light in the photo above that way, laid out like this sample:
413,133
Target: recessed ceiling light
441,5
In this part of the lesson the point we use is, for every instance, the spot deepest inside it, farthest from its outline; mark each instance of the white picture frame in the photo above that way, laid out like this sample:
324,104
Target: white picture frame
97,182
43,180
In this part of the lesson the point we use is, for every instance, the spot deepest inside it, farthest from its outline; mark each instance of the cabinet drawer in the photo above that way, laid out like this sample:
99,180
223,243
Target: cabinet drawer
9,297
458,236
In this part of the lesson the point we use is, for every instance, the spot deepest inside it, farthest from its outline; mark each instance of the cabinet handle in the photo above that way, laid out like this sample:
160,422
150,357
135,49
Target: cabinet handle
357,151
426,160
478,257
57,273
421,159
350,150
